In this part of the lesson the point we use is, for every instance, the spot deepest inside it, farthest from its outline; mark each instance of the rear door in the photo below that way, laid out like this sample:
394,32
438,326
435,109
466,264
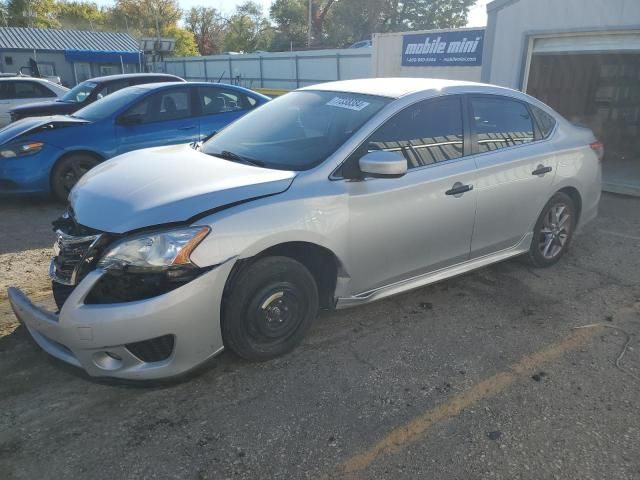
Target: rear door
516,167
161,118
219,106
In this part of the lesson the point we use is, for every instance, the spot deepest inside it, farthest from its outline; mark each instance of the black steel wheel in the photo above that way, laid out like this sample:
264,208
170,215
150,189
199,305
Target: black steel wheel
68,171
269,308
553,231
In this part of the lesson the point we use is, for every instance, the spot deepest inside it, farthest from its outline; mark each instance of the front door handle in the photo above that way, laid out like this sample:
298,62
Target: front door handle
190,127
458,189
541,170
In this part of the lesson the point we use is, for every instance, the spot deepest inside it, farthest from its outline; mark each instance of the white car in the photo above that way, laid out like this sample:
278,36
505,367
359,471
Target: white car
18,90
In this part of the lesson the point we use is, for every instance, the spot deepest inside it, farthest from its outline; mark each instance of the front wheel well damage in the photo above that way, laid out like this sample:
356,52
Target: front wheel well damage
321,262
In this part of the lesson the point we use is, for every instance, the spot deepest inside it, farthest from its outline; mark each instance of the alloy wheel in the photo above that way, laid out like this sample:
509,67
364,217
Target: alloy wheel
555,231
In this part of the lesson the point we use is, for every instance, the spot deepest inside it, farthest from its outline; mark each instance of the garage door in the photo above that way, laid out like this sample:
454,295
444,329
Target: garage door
588,43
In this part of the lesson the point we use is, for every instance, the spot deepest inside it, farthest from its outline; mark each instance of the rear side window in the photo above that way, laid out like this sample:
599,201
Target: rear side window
500,123
545,121
31,90
425,133
5,91
112,87
217,100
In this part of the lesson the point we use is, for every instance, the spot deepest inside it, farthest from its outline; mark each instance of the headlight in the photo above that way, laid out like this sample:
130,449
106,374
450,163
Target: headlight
21,149
154,250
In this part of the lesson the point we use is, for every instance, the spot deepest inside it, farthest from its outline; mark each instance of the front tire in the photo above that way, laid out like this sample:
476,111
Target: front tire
269,308
68,171
553,231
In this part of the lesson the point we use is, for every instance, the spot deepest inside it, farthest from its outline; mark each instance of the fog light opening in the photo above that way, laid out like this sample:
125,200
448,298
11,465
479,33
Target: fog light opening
107,360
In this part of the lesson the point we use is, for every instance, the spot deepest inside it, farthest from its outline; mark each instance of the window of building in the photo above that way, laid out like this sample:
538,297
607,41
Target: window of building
425,133
163,106
47,69
110,69
26,89
501,123
8,60
82,71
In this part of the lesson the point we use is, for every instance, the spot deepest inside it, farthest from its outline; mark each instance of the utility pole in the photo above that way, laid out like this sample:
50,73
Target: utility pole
310,22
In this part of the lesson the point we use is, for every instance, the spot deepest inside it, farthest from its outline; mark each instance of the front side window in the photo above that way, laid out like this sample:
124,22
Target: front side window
163,106
425,133
31,90
296,131
500,123
217,100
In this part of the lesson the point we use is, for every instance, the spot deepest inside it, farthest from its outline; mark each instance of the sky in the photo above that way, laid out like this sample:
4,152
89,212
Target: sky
477,13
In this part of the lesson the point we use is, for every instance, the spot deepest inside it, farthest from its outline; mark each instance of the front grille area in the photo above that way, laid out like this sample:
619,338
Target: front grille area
75,248
154,350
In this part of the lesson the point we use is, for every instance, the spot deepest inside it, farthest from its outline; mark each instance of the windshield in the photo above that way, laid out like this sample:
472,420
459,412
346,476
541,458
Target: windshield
296,131
107,106
79,93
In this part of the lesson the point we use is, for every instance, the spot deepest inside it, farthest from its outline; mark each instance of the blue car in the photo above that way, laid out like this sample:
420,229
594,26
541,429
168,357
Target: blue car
50,154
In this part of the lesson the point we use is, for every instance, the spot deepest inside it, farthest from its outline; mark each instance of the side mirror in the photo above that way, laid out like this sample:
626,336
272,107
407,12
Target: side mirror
131,119
383,164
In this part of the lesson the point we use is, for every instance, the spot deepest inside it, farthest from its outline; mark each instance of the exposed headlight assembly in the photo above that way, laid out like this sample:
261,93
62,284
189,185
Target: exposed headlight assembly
20,149
154,251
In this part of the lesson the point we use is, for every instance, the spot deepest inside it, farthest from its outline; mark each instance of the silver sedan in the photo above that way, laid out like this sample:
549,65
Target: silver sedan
333,196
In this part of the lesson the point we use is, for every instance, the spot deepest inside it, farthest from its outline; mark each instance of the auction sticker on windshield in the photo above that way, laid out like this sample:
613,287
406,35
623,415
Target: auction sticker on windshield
350,103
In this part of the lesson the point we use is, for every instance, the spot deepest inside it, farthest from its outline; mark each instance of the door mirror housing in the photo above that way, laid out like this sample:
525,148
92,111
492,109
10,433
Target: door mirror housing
380,163
130,119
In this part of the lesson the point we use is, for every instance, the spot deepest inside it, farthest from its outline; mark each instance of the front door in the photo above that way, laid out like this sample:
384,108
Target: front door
162,118
515,172
421,222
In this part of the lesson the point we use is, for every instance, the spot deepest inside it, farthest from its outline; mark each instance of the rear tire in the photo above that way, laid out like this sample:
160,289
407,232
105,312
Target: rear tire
269,309
68,171
553,231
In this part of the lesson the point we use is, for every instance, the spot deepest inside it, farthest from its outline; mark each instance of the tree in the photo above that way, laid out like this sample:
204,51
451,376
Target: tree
185,42
290,16
247,29
355,20
80,15
426,14
208,27
32,13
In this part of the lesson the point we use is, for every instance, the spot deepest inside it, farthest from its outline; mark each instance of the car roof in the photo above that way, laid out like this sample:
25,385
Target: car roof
27,77
121,76
399,87
152,86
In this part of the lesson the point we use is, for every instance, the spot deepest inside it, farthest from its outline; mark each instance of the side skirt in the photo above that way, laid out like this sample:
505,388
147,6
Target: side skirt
435,276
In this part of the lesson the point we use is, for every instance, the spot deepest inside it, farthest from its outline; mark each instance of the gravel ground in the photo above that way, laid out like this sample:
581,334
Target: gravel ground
481,376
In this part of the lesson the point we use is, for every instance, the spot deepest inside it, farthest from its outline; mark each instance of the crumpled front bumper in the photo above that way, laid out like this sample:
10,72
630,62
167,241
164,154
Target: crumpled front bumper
93,337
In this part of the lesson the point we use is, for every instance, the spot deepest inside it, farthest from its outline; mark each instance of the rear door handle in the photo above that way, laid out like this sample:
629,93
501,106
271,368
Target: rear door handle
541,170
190,127
458,189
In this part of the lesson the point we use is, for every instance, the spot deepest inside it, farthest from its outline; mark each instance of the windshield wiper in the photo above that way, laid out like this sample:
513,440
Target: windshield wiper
234,157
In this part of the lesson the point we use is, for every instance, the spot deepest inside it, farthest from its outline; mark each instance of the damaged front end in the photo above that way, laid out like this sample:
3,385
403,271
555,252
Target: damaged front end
79,250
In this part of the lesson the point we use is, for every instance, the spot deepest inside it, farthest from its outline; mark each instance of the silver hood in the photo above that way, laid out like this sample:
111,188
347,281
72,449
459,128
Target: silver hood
167,184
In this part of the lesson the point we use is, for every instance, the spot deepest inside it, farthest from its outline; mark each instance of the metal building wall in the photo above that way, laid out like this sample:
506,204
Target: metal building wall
513,25
387,60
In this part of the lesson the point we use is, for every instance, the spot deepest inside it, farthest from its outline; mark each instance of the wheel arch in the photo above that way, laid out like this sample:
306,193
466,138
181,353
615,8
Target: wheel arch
574,194
323,264
65,155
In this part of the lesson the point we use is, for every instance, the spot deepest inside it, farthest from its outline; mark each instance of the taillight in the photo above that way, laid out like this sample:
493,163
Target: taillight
598,147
